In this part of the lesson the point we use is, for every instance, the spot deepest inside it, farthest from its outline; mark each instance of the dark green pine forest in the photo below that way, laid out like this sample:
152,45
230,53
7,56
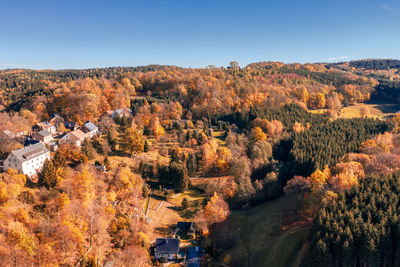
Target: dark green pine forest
361,228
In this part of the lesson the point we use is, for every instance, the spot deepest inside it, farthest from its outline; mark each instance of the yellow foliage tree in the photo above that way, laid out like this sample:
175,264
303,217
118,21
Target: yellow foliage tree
298,127
132,141
223,154
216,209
318,180
257,134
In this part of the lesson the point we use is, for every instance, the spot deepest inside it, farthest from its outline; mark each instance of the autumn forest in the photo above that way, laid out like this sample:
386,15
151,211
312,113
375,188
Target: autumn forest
148,165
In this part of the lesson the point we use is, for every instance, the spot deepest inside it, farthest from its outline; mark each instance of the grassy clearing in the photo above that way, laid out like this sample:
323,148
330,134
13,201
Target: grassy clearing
190,195
153,203
220,137
165,214
376,110
257,231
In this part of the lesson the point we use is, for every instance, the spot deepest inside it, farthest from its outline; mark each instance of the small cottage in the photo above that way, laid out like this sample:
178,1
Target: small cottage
166,249
42,126
90,129
43,136
73,138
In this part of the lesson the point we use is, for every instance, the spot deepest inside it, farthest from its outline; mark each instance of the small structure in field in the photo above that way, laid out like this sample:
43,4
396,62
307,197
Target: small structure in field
122,112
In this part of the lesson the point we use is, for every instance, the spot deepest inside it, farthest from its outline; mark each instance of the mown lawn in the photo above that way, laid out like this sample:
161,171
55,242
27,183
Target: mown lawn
259,232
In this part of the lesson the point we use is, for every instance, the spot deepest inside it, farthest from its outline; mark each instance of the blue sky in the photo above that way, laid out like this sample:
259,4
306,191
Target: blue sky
61,34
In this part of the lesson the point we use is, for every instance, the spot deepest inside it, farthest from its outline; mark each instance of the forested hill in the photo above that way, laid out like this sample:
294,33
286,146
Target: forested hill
369,64
384,71
202,91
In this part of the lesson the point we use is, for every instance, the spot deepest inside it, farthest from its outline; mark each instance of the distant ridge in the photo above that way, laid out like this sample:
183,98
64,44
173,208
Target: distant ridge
369,64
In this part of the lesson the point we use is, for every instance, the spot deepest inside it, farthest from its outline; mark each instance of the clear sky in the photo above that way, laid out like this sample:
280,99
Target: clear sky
83,34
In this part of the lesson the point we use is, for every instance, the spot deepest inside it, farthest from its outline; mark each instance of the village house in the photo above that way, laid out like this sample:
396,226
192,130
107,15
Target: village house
122,112
27,160
71,125
41,126
166,249
53,145
193,256
90,129
43,136
73,138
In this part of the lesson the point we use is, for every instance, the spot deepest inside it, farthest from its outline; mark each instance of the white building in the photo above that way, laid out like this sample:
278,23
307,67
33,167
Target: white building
28,160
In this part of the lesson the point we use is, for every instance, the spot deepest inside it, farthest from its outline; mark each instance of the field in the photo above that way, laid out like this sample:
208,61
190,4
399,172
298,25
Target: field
261,241
374,110
377,110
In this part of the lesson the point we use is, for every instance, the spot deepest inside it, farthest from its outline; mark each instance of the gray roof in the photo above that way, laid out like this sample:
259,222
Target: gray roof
30,152
122,111
193,256
91,126
167,245
44,133
70,124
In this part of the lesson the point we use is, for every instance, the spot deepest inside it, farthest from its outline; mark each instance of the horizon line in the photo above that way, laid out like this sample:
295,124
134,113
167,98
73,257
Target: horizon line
203,67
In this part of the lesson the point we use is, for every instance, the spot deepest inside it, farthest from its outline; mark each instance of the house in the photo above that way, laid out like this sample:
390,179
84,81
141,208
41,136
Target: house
187,229
53,146
193,256
72,125
166,248
56,120
90,129
27,160
122,112
73,138
43,136
41,126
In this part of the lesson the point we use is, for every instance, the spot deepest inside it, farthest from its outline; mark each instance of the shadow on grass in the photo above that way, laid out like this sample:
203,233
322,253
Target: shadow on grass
195,193
385,107
175,208
164,231
188,213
